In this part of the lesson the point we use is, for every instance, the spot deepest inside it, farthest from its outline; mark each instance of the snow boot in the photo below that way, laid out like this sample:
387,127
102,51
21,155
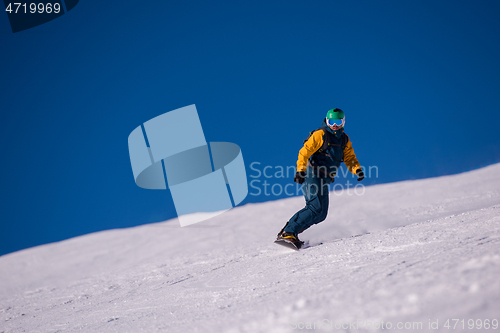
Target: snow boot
292,238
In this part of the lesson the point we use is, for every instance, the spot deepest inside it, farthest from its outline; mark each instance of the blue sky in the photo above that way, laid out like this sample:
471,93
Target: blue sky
419,83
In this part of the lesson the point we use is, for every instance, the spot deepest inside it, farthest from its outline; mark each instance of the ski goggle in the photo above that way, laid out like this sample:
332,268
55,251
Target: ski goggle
332,122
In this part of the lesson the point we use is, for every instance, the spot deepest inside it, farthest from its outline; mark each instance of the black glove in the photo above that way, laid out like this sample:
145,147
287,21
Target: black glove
332,177
300,176
360,174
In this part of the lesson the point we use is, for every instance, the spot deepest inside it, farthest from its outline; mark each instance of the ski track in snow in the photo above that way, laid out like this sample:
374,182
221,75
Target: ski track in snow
412,251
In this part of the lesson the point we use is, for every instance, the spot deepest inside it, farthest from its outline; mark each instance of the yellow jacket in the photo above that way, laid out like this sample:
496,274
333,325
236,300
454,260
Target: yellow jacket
315,142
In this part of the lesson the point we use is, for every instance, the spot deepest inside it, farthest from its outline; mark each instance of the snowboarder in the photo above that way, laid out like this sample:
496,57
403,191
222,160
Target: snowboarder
317,165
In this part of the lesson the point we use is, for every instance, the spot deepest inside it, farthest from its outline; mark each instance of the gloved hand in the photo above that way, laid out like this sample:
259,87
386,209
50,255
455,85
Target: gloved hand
332,177
360,174
300,176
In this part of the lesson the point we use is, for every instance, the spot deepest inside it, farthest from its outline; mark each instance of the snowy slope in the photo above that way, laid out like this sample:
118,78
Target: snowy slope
410,252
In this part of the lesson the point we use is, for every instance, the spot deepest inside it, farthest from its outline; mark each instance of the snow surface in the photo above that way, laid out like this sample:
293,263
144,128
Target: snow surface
408,252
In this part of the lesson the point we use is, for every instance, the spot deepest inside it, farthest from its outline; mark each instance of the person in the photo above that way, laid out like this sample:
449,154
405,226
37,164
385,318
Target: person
317,165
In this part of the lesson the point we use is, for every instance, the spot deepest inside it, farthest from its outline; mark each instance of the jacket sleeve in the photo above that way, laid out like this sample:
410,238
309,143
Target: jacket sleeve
350,159
310,147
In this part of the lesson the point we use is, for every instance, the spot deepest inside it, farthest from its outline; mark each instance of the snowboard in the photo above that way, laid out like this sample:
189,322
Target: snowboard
289,244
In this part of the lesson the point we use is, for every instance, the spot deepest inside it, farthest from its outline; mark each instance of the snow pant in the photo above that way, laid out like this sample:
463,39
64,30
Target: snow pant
315,191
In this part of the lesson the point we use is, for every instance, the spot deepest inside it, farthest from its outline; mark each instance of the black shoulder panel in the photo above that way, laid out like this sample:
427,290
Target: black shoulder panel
345,140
